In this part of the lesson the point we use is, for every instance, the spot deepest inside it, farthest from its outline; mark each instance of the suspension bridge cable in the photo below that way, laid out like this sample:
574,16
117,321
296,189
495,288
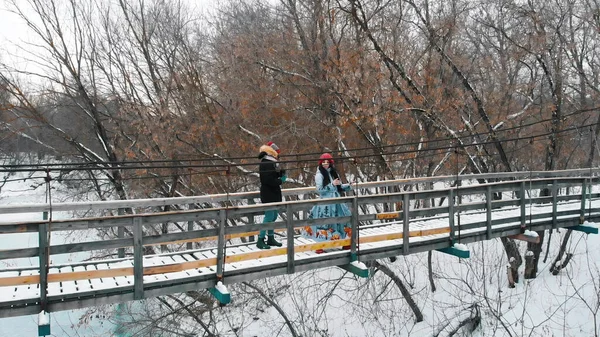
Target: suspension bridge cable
87,166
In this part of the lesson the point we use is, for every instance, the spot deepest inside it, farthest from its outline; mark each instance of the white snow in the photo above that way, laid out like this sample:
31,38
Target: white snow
530,233
221,288
358,264
461,246
43,318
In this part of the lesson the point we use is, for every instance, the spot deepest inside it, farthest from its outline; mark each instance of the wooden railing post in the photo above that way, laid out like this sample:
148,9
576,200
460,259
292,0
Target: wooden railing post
451,214
121,235
221,244
583,197
290,239
406,222
251,219
138,259
354,233
44,259
190,227
488,212
554,200
523,204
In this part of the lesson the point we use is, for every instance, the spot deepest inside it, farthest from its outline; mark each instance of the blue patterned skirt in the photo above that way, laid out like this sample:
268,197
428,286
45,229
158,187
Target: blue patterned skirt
328,232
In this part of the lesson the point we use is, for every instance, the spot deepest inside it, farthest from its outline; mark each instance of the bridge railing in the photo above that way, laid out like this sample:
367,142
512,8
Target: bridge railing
367,187
449,204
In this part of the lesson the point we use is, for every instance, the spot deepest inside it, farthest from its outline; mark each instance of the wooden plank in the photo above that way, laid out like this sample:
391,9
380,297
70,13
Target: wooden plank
208,238
62,277
19,280
258,254
90,274
382,216
180,267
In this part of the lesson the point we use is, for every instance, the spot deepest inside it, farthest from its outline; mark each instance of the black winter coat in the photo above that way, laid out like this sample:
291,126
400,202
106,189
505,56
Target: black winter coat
270,179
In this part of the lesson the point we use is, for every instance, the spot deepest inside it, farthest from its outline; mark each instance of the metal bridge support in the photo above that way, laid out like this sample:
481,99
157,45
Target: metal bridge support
585,229
43,324
456,251
461,250
219,291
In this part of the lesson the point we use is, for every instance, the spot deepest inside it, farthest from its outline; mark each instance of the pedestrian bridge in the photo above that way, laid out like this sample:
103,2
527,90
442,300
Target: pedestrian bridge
205,242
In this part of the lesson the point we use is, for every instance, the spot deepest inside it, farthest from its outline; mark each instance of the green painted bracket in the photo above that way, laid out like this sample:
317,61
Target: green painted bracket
43,324
221,293
357,268
463,254
585,229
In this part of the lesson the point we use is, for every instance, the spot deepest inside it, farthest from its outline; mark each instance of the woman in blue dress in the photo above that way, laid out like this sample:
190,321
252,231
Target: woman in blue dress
328,185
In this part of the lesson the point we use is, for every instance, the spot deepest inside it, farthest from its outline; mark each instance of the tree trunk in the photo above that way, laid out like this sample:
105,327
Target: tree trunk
531,263
556,267
407,296
430,271
514,259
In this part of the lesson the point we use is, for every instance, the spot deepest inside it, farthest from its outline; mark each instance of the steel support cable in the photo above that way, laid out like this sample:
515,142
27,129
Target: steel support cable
86,166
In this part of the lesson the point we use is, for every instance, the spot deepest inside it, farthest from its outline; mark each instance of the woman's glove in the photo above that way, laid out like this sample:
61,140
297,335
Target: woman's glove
283,179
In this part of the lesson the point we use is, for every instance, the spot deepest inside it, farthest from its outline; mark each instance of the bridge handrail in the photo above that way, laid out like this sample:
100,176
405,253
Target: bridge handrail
154,202
257,209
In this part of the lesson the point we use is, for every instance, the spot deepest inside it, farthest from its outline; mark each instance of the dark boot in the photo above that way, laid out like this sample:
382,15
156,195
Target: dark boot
272,242
262,244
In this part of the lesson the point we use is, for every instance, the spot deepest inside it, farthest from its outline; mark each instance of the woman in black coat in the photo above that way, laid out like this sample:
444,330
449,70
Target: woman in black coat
271,178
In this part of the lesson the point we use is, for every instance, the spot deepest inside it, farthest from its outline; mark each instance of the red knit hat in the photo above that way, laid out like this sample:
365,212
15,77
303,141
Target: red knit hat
325,156
274,147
